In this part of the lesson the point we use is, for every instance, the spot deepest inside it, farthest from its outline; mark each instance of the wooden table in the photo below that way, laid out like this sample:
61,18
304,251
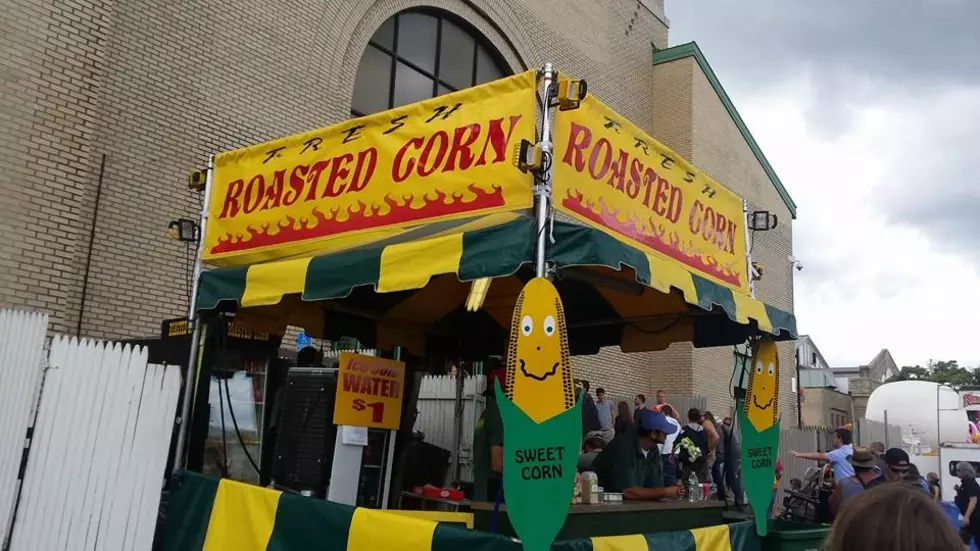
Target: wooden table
618,519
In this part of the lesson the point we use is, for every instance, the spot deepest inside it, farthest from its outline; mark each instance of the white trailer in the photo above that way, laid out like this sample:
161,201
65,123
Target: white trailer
949,456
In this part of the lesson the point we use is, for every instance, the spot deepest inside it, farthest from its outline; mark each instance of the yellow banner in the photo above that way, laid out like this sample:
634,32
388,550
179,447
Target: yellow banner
370,391
610,174
445,158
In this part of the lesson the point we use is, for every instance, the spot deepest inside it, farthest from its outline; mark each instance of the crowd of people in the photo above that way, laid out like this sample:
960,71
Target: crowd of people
649,452
869,480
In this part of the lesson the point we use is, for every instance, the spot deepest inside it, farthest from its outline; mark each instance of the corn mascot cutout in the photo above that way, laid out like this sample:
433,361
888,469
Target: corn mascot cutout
758,422
542,423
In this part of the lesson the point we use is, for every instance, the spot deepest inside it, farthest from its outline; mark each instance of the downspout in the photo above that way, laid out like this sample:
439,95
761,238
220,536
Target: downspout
91,245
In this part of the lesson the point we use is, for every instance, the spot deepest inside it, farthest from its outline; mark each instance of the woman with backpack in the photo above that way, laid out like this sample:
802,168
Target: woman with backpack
692,449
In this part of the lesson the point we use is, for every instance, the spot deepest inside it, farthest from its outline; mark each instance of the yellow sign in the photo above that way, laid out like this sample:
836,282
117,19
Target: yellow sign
370,391
610,174
762,398
445,158
539,371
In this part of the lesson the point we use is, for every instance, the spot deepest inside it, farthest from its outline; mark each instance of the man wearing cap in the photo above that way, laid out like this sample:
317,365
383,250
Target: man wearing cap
631,464
488,444
896,465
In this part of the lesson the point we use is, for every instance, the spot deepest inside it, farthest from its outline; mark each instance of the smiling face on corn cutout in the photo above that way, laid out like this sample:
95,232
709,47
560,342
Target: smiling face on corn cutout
762,398
539,377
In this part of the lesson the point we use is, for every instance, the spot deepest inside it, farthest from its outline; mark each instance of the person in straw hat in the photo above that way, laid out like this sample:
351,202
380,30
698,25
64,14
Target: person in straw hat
863,461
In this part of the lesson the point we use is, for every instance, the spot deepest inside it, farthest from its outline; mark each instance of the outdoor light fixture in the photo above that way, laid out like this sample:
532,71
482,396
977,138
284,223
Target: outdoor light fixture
184,229
197,180
528,156
571,93
478,293
762,220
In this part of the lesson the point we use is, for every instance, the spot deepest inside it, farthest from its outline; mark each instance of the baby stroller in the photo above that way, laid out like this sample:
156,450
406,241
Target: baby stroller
811,502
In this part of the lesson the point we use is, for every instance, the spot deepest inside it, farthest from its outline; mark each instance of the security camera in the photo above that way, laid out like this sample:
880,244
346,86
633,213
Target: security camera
799,266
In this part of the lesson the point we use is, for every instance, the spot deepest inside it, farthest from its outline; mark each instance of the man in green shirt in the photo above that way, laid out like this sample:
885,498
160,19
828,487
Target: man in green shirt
631,463
488,445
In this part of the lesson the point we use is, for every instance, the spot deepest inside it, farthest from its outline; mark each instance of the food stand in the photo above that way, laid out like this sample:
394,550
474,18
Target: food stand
420,237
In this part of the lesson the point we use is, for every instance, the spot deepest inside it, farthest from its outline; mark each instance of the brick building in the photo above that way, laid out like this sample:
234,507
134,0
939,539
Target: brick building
106,106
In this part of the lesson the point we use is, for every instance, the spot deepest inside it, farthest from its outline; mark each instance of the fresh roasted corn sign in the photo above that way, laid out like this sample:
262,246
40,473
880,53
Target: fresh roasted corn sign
610,174
445,158
758,423
542,423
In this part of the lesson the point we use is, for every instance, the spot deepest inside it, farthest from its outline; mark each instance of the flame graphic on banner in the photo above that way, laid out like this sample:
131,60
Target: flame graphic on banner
360,216
652,235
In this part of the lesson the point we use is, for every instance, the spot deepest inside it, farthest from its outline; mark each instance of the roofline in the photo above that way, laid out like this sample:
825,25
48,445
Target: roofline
815,347
691,49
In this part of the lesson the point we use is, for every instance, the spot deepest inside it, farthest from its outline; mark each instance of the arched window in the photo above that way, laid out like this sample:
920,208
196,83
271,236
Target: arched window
417,55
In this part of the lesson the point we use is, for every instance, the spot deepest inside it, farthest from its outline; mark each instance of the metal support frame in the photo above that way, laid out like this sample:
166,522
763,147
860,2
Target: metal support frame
390,451
195,326
542,183
748,249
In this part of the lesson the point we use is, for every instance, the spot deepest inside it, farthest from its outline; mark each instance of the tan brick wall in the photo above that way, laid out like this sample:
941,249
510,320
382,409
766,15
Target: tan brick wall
819,402
640,373
671,105
156,87
689,117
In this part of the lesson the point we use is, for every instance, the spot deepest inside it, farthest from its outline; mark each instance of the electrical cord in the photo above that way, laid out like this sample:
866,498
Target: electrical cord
731,380
222,345
224,441
238,432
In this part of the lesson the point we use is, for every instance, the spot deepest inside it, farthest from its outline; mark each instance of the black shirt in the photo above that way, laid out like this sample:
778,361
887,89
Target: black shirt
622,464
968,489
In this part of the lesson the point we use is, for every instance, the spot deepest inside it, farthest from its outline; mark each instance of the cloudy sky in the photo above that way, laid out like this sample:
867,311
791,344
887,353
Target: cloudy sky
869,111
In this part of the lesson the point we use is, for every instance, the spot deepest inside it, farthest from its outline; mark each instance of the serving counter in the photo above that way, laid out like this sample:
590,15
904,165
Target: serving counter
616,519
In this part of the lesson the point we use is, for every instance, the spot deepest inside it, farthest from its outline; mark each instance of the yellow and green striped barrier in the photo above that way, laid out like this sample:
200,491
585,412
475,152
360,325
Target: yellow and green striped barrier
207,514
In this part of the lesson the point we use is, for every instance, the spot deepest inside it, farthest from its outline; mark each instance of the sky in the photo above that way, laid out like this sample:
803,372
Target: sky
869,112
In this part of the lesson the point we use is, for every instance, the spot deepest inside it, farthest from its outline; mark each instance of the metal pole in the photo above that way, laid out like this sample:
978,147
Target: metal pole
542,187
748,252
799,396
939,441
457,422
886,429
390,452
195,326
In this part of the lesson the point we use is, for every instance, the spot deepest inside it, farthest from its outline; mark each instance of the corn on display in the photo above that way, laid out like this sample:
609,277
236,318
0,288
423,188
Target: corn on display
762,397
539,372
542,421
758,422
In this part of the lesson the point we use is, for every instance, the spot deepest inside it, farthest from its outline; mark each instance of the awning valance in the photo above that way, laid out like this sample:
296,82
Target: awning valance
412,292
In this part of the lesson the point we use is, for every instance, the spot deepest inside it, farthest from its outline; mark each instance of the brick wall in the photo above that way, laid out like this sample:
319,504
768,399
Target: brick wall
817,405
690,118
157,86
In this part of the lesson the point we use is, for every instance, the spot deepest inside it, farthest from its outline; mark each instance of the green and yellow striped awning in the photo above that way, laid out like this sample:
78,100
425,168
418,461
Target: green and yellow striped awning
205,514
412,293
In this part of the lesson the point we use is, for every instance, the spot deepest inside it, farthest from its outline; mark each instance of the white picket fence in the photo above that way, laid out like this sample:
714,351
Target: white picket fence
21,349
99,445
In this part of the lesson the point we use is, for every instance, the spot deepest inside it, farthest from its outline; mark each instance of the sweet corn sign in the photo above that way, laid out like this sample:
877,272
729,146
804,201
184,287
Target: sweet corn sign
445,158
542,423
610,174
758,423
